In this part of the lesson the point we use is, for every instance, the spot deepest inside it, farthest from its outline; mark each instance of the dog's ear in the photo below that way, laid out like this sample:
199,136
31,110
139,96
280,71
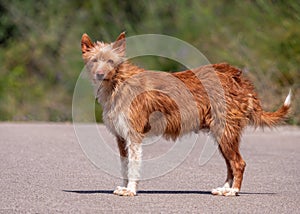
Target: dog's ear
121,36
86,43
120,44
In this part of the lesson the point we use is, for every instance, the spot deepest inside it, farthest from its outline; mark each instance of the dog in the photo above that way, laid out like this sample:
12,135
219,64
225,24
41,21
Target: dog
215,98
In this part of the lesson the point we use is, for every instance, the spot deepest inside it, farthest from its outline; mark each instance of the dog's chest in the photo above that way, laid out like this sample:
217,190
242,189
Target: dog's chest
116,121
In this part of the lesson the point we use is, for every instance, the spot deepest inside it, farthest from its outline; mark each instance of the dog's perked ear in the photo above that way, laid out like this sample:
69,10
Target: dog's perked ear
120,44
86,43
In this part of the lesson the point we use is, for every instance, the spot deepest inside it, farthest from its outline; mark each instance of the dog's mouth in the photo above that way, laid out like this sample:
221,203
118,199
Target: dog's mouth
101,77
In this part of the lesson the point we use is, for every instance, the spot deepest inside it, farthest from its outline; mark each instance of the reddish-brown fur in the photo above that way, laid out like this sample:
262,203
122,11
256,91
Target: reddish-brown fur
224,99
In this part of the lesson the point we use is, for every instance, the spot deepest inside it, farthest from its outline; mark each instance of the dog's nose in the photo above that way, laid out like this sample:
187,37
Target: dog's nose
99,76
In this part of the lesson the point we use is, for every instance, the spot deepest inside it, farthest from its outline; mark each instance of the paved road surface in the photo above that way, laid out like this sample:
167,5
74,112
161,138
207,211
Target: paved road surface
43,170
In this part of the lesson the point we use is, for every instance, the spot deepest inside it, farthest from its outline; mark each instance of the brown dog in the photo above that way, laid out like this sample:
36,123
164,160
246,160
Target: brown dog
213,97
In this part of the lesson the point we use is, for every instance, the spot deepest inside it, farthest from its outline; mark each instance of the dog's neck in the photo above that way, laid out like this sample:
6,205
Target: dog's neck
123,72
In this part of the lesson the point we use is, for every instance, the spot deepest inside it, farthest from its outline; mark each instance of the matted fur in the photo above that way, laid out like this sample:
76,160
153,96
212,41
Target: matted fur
131,95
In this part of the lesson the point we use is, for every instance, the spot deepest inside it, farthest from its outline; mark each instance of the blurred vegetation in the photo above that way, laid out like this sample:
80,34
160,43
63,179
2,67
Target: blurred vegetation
40,56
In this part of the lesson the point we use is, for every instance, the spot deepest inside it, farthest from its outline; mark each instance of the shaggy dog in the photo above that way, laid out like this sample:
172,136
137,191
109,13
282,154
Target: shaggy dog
216,97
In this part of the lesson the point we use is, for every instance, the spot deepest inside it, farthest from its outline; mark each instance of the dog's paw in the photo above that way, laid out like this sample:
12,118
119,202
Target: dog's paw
225,191
123,191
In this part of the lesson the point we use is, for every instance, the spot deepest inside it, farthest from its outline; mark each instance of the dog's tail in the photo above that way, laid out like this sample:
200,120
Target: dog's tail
271,119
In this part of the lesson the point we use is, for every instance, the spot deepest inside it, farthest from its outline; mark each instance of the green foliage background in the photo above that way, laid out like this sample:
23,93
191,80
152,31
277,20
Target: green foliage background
40,56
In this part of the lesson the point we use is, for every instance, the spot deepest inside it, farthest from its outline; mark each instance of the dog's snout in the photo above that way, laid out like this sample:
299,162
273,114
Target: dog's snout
99,76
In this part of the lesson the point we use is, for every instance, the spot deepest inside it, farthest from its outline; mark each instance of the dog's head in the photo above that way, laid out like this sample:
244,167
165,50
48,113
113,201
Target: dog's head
102,59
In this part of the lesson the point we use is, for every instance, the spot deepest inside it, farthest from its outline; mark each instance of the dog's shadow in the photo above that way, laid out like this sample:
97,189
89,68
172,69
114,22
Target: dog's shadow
160,192
166,192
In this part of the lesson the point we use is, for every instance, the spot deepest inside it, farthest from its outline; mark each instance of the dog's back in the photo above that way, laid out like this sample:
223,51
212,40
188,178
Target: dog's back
220,93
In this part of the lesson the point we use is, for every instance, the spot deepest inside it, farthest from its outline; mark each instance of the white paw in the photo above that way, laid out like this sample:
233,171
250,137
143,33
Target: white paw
124,191
226,191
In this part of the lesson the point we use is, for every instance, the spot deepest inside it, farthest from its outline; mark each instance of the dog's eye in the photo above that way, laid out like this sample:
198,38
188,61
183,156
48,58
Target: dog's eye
110,61
94,60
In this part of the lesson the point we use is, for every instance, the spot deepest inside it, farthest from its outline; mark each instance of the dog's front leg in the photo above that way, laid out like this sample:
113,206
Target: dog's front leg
134,157
124,159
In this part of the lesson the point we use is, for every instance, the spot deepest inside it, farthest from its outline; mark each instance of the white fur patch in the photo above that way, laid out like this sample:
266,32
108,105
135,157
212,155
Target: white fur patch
227,184
124,191
134,160
225,191
121,125
132,186
287,101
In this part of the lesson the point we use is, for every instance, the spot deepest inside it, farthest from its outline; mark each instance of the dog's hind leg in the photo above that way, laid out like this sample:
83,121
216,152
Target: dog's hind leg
229,147
229,179
134,158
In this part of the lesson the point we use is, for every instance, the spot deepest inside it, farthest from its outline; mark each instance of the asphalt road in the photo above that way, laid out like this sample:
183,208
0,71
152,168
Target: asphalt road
44,170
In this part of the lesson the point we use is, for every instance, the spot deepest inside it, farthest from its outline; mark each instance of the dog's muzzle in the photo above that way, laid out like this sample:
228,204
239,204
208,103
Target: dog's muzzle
99,76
